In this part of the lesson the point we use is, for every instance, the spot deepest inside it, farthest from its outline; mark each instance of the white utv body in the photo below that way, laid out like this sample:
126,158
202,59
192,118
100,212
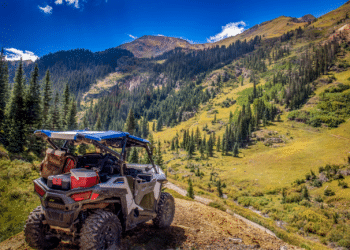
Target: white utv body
90,199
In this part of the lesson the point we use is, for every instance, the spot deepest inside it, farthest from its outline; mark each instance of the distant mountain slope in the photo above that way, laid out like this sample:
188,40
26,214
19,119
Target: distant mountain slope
268,29
79,67
334,17
148,46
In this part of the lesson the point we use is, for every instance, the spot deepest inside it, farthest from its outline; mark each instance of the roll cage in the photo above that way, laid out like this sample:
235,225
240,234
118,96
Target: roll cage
104,140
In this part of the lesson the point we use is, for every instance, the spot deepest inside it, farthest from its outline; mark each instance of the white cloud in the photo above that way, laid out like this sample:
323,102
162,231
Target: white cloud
75,2
47,9
69,2
160,35
133,37
13,54
230,29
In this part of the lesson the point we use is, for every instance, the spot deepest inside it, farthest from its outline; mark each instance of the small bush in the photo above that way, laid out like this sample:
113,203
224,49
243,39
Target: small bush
342,184
299,182
217,205
318,199
257,194
317,183
293,197
329,192
344,243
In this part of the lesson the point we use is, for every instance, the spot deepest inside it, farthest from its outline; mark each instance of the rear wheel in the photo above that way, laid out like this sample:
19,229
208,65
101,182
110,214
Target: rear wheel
101,230
35,231
165,211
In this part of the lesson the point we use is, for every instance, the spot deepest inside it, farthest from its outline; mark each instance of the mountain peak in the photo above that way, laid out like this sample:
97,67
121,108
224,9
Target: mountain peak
148,45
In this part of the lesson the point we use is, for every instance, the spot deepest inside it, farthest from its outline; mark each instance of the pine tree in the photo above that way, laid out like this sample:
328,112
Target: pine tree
54,118
33,102
235,150
305,193
160,124
190,192
98,125
190,149
210,147
16,114
218,144
65,105
3,90
144,126
172,148
153,126
219,188
84,125
134,158
159,159
230,118
46,100
130,122
72,116
214,121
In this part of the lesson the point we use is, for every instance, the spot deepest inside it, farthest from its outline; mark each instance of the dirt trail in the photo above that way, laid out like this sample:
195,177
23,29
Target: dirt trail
195,226
207,201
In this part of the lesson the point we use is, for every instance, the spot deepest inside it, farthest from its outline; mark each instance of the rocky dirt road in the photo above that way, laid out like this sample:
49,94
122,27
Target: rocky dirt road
195,226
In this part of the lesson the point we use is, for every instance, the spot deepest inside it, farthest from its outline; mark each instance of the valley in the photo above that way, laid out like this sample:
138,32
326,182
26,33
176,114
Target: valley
258,123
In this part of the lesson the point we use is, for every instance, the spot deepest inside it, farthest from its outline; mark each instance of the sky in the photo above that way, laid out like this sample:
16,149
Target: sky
33,28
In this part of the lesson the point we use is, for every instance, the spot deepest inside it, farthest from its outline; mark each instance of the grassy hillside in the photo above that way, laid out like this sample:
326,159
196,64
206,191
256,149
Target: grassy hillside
269,29
17,198
294,171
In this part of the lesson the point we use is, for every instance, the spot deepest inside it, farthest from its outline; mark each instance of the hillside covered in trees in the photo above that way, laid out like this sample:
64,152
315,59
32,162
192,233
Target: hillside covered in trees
262,123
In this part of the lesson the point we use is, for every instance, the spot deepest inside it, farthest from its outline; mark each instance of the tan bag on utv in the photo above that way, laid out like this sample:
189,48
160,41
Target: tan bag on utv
53,163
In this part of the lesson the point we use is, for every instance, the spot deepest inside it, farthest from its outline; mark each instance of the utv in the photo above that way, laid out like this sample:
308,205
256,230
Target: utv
91,199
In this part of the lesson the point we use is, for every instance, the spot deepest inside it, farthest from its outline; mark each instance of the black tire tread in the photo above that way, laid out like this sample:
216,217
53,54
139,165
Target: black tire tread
33,231
158,221
92,228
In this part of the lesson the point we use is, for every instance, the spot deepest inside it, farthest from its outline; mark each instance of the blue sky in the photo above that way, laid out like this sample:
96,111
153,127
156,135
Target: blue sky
36,27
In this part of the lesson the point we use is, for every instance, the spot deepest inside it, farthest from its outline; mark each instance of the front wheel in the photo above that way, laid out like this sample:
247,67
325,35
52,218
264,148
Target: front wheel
35,231
165,211
101,230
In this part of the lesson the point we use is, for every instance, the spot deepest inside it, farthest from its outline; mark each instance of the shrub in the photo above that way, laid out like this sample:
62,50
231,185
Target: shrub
318,199
342,184
344,243
293,197
298,182
329,192
217,205
257,194
317,183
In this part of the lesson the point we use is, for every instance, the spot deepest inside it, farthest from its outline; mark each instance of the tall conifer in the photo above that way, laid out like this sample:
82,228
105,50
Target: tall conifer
47,96
16,114
3,90
130,122
33,102
65,106
54,116
72,116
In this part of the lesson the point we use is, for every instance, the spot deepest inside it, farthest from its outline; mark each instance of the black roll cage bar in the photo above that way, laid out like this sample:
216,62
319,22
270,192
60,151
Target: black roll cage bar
122,143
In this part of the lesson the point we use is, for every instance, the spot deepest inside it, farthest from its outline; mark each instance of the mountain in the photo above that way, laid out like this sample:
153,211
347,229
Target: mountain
148,46
80,68
268,29
260,125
